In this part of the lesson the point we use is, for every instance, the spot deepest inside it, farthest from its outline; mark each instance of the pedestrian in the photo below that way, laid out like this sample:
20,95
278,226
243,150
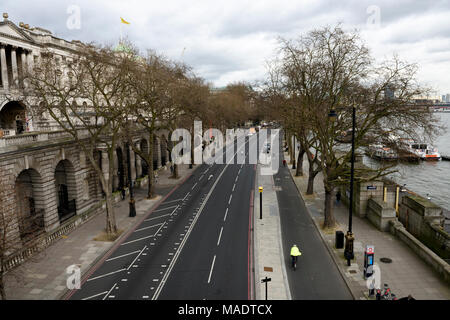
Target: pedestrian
338,196
171,168
284,162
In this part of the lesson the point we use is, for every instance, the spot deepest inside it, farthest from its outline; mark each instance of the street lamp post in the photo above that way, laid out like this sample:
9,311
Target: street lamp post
130,184
260,201
349,237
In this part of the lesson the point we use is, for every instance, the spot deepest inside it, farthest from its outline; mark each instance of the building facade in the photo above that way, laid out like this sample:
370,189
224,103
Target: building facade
49,184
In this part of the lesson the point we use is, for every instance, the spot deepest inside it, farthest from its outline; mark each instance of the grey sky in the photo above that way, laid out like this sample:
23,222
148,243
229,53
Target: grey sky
230,41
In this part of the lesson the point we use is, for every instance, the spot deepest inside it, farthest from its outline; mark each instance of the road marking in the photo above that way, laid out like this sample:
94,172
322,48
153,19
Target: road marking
164,215
124,255
136,258
176,200
186,196
225,217
109,291
95,295
143,238
212,267
236,179
229,201
234,186
106,274
165,208
184,239
220,235
194,186
145,228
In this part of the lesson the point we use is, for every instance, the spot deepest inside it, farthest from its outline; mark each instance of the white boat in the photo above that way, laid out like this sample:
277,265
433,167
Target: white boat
381,152
425,151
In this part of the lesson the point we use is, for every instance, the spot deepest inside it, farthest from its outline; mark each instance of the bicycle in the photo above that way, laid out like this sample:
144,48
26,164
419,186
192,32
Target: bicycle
294,262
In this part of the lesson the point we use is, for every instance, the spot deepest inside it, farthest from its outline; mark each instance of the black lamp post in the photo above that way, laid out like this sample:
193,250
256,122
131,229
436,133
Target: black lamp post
349,237
130,184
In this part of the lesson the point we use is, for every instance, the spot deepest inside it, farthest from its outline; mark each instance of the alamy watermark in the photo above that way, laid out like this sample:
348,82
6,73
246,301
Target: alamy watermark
74,19
74,279
210,145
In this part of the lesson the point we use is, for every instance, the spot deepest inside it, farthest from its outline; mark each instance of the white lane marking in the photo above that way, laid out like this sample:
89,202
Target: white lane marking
200,177
234,186
136,258
123,255
106,274
109,291
166,202
164,215
143,238
145,297
186,196
174,211
236,179
184,239
165,208
220,235
95,295
145,228
194,186
212,267
225,217
229,201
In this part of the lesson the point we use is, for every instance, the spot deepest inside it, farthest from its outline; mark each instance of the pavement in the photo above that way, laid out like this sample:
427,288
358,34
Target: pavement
43,277
406,275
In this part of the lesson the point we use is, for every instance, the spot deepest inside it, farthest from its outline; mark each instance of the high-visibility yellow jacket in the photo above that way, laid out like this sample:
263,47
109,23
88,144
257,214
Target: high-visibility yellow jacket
295,252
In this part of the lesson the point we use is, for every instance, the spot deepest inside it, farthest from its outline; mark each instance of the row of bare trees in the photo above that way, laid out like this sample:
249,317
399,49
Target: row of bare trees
102,96
329,71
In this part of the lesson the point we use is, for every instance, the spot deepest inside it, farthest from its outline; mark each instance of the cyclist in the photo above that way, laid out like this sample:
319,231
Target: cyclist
295,253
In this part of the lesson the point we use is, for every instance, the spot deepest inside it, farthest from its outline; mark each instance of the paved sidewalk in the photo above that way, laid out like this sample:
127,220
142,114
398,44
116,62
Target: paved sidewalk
268,245
407,274
43,277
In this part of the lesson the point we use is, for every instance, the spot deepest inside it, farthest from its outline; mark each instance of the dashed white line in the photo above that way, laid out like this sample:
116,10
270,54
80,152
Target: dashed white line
164,215
220,235
194,186
212,267
186,196
234,186
225,217
229,201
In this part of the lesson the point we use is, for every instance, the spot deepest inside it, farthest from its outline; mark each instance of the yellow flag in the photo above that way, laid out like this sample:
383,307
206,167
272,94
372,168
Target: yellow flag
123,21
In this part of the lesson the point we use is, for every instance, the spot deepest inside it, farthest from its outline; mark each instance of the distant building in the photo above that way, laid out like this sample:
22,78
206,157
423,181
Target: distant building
444,98
447,97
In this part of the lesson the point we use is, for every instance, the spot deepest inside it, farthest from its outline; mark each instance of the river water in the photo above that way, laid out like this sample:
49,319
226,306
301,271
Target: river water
427,177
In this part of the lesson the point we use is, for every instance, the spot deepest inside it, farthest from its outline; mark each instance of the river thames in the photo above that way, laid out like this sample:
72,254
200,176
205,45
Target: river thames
427,177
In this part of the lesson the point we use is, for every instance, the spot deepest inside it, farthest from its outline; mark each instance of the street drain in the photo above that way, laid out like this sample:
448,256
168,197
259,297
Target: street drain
386,260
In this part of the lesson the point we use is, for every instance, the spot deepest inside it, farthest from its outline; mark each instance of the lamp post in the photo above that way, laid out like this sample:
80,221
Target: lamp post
130,184
349,237
260,201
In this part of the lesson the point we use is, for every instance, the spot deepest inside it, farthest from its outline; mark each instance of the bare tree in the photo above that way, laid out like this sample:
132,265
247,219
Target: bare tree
85,96
331,70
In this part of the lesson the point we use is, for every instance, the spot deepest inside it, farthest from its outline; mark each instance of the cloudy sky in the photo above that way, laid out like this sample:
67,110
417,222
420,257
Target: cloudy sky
229,41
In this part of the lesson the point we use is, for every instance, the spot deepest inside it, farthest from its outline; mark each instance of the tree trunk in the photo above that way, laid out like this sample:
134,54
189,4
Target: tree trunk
175,171
111,227
299,170
150,183
311,177
2,287
329,220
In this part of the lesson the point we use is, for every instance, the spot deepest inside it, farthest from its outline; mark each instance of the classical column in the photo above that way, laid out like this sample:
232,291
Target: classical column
24,66
15,72
4,66
30,61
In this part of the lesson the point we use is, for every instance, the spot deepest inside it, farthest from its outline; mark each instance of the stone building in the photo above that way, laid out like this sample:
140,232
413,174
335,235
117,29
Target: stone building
49,182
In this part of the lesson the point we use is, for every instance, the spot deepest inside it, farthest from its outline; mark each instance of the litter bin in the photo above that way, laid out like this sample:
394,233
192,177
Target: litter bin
339,240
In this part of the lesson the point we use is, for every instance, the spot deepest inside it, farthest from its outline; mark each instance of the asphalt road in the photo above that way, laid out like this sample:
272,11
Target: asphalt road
317,276
196,244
